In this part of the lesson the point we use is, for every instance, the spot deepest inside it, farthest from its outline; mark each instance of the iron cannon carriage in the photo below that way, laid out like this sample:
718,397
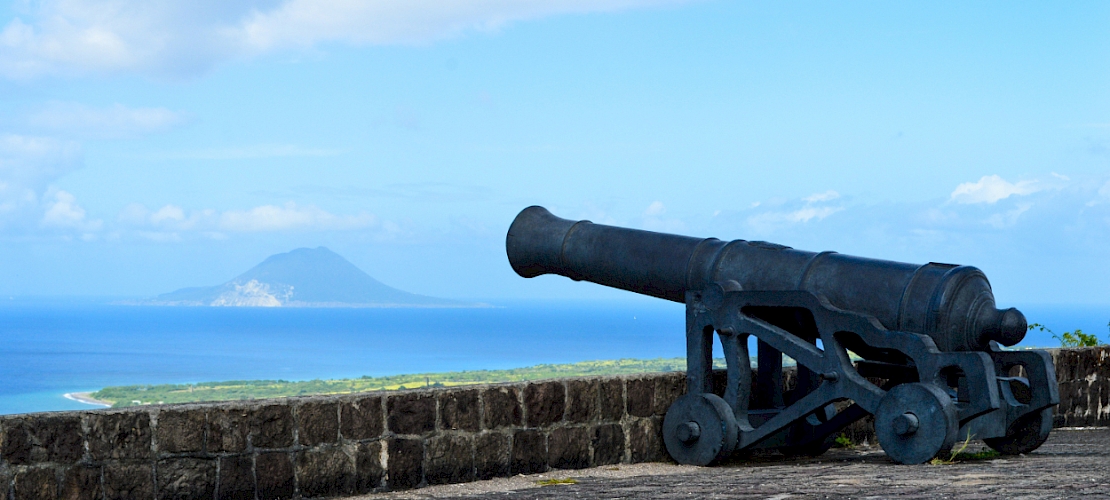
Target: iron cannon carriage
916,346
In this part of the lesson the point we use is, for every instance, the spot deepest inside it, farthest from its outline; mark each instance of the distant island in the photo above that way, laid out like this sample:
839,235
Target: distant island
135,395
305,277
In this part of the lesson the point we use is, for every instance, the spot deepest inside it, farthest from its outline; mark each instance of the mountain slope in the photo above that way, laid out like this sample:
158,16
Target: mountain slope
303,277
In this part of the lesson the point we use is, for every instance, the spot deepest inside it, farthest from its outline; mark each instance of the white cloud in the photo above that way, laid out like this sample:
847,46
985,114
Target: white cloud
27,166
990,189
656,208
64,212
110,122
180,38
826,196
290,216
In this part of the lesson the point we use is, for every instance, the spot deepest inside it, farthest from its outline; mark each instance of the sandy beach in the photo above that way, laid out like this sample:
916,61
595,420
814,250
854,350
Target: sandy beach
86,398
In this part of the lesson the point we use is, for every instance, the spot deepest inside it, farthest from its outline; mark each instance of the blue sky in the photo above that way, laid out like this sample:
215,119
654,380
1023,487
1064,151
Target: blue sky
149,146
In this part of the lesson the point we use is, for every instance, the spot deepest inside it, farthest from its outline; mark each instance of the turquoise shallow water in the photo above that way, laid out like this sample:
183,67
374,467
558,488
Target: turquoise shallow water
51,348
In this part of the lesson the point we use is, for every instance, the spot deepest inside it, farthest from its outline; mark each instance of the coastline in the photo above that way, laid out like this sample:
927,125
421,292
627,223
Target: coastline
86,398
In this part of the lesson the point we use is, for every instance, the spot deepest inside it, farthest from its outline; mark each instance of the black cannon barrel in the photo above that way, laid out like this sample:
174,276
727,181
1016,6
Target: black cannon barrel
952,304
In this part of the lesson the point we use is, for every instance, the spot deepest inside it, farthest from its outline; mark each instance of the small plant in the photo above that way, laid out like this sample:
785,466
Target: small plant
952,457
842,441
1071,339
555,481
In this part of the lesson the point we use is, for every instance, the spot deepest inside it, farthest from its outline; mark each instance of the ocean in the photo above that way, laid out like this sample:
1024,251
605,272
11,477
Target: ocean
52,348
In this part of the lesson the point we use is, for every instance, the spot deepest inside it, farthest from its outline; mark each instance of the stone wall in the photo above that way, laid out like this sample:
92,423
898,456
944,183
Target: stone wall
341,445
1084,377
335,445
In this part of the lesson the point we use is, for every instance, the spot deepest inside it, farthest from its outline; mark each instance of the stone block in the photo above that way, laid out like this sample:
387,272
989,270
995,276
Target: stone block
668,388
459,410
608,443
34,439
120,435
529,453
325,472
272,426
449,459
645,440
128,481
361,418
612,399
411,413
38,483
318,423
582,401
544,403
81,482
405,463
368,466
491,455
186,478
228,429
236,478
180,431
273,472
502,407
569,448
641,396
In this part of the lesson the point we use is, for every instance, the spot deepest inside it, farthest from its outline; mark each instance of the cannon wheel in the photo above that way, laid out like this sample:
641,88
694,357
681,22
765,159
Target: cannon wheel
915,422
699,429
1026,434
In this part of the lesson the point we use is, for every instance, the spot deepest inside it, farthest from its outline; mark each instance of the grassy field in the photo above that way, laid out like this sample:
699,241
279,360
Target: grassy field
255,389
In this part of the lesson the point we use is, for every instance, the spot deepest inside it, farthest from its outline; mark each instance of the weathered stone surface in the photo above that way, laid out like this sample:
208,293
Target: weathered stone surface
361,418
641,396
544,403
449,459
228,429
645,440
39,483
35,439
569,448
529,454
411,413
612,399
668,388
128,481
81,482
368,466
325,472
459,410
1072,464
608,443
186,478
236,478
502,407
491,455
273,473
180,431
582,401
406,463
120,435
272,426
318,423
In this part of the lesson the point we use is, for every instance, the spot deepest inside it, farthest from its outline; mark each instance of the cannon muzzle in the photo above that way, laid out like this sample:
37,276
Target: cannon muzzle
954,305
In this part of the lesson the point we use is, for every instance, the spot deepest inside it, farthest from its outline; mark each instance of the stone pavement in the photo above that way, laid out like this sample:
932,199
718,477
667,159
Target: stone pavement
1074,463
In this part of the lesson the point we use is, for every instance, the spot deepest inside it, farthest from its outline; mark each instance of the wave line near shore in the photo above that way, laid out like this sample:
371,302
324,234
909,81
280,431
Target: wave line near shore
86,398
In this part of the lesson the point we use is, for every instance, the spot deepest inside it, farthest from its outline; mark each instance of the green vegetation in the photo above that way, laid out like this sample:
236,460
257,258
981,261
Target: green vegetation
257,389
842,441
1071,339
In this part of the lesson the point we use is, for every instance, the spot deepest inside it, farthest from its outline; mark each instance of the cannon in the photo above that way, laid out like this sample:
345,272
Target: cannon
918,347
